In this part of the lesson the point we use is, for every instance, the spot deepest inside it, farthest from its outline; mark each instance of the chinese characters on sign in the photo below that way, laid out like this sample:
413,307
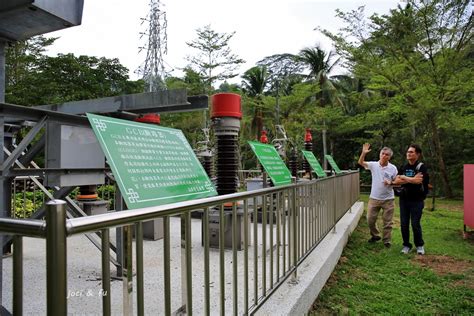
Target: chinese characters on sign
271,161
314,163
153,165
333,164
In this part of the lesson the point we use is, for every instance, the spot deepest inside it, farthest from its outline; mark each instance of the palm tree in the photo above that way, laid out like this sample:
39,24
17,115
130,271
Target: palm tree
255,81
320,65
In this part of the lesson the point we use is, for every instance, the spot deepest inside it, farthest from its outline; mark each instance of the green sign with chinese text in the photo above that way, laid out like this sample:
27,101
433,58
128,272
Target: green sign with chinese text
314,163
153,165
333,164
271,161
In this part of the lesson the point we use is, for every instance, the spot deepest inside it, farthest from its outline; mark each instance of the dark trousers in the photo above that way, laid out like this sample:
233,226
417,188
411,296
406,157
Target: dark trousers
411,210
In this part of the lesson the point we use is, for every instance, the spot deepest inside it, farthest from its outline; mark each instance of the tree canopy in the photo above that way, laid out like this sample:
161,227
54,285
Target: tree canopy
214,60
408,80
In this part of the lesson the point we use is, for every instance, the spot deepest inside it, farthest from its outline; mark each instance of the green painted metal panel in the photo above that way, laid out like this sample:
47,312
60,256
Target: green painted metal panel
314,163
153,165
333,164
272,163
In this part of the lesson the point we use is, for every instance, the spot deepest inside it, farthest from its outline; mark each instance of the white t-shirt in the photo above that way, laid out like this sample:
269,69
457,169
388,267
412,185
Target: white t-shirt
379,190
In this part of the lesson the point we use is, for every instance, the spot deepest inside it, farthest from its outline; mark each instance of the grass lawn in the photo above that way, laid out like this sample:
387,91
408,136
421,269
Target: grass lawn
370,279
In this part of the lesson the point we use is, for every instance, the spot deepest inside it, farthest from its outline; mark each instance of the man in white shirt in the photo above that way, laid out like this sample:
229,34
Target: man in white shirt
381,194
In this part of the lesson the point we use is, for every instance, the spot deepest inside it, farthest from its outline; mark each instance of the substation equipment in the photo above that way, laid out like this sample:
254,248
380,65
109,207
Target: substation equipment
73,157
226,113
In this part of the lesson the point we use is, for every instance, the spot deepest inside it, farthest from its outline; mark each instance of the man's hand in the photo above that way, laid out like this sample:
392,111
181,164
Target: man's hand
366,148
418,178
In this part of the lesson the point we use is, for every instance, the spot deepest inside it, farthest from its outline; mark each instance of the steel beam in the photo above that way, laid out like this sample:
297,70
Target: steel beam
18,113
159,102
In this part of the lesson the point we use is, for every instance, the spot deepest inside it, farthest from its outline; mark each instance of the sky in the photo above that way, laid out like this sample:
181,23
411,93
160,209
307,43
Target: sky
111,28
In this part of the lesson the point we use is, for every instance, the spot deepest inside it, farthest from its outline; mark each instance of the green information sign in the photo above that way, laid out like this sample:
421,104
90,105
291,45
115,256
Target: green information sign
314,163
271,161
333,164
152,165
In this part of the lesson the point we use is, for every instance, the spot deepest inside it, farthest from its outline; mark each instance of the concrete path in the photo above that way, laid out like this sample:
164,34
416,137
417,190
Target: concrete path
84,275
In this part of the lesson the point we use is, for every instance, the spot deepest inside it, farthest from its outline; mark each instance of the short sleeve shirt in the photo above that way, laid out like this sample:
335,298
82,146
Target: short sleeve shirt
380,191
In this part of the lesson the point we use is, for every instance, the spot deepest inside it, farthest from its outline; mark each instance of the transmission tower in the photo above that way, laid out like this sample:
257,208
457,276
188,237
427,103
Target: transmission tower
155,38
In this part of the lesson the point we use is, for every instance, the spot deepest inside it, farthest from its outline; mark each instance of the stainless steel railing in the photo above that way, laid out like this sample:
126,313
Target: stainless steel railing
294,219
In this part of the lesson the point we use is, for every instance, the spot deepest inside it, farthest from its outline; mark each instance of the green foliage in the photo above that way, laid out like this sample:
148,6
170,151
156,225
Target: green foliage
410,80
417,61
36,79
24,204
214,60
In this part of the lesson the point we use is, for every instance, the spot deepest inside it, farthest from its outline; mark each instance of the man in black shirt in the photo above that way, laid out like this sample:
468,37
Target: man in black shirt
414,178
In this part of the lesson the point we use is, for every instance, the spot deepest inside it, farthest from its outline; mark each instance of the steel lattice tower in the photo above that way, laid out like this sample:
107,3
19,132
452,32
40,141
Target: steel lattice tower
153,69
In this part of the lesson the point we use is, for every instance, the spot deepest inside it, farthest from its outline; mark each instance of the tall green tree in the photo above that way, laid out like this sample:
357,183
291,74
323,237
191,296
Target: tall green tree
254,83
214,60
418,58
22,58
320,64
34,78
284,71
68,78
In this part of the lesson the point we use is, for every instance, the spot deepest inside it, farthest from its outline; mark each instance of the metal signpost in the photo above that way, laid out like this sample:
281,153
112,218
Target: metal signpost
271,161
153,165
314,163
333,164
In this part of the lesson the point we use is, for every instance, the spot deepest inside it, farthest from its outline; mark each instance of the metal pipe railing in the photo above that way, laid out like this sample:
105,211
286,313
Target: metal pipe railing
56,258
294,219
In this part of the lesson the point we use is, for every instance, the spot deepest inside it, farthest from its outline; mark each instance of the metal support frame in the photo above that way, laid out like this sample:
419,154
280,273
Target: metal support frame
22,146
164,101
161,102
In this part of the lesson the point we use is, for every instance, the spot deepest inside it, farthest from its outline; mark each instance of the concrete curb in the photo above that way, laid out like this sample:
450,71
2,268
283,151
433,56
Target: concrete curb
296,299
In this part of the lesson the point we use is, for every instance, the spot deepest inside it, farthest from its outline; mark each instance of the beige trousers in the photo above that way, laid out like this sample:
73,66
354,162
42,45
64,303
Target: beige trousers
373,208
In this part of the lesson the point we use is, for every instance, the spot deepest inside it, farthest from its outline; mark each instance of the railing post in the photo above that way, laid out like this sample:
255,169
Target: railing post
127,270
186,265
56,261
334,188
18,275
294,232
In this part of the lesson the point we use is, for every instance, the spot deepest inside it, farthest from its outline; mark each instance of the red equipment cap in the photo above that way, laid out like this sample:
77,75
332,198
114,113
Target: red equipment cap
150,118
264,138
307,136
226,105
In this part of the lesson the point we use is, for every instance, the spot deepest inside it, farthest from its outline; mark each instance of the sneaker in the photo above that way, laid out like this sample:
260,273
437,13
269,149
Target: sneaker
387,245
405,250
420,250
374,239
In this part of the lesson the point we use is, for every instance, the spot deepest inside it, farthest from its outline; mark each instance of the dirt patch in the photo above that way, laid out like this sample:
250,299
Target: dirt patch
444,265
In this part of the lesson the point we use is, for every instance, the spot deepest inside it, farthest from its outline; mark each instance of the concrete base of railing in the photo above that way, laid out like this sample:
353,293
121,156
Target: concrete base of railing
296,298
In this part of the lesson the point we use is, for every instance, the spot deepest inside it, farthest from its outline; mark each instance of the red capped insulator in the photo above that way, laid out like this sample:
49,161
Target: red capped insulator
150,118
226,105
264,138
307,136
